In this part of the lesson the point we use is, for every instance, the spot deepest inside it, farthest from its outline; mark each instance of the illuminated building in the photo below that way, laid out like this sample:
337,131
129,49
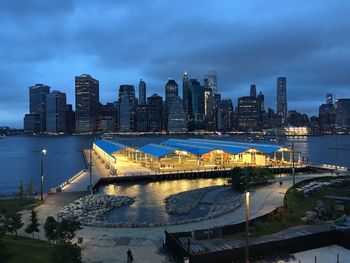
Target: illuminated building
87,102
282,100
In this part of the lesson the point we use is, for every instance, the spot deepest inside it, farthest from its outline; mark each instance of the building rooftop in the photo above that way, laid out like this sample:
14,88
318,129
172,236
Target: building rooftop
110,147
156,150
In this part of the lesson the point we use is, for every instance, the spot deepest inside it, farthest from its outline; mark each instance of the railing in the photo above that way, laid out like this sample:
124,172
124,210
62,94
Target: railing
70,180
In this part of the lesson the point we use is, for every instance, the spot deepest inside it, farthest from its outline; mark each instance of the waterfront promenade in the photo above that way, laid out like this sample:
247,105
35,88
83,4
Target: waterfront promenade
111,244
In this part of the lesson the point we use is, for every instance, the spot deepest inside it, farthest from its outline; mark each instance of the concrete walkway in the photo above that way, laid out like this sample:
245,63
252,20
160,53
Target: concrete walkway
111,244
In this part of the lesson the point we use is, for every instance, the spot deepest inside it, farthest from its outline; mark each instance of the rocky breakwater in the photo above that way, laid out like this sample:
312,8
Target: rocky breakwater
183,203
225,202
91,210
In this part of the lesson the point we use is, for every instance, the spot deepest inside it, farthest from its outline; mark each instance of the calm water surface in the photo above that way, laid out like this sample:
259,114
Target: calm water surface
149,200
20,156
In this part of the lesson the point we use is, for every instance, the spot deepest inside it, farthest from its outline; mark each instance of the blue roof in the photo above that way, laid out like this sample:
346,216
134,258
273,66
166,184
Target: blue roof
110,147
156,150
208,145
188,146
261,147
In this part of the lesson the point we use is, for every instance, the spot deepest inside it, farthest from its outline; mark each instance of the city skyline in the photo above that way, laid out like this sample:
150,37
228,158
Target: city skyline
245,44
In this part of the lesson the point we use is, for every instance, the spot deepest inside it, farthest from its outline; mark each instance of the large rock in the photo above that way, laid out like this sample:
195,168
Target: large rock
91,209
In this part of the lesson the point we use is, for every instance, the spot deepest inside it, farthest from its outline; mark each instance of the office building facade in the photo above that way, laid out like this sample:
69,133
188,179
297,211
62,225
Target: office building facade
177,117
282,100
87,103
37,103
142,92
56,114
127,108
155,113
247,114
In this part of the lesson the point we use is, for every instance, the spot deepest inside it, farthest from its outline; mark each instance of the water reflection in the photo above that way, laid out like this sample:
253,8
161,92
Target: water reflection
20,159
149,200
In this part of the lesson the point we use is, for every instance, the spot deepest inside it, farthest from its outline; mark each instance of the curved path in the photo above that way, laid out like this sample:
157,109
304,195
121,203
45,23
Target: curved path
111,244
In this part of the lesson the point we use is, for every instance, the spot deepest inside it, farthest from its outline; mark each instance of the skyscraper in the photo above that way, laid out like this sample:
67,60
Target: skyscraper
253,91
212,81
329,98
248,114
261,108
70,119
142,92
282,100
327,113
142,118
127,108
186,97
171,91
343,113
87,97
177,116
155,113
31,123
225,115
56,114
197,92
37,103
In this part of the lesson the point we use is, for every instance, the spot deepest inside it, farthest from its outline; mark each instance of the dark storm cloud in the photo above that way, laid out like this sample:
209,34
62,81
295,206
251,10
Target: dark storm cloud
121,41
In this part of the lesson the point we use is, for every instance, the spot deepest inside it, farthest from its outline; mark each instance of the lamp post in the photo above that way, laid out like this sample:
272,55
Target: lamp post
293,172
247,214
42,154
90,171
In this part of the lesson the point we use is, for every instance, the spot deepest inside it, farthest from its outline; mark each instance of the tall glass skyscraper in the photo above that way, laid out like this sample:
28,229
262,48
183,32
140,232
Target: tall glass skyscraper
56,112
186,96
171,91
127,108
282,100
177,116
226,115
197,91
212,81
87,102
155,113
142,92
253,90
37,103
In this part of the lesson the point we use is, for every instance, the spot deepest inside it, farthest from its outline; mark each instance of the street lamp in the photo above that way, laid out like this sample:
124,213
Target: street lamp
42,154
293,169
90,171
247,213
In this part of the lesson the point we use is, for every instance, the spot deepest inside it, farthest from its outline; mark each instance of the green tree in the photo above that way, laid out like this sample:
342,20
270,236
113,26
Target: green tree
14,222
3,227
65,230
34,224
243,178
62,233
50,227
21,190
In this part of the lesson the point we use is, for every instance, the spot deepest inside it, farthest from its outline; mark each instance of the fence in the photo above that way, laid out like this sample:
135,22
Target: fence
261,250
293,245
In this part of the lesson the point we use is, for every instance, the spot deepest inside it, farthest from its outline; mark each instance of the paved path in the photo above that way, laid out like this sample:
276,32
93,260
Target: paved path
111,244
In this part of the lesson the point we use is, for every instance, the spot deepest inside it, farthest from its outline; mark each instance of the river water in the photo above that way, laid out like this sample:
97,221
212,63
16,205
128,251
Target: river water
20,155
20,160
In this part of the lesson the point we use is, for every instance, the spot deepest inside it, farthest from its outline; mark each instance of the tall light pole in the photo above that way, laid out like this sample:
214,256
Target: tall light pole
90,168
247,214
293,169
42,155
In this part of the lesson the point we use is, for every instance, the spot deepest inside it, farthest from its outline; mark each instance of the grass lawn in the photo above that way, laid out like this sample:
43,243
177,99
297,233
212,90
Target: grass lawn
285,218
21,249
17,204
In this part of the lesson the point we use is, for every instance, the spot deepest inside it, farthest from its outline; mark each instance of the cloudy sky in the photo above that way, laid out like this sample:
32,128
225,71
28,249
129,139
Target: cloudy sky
117,42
